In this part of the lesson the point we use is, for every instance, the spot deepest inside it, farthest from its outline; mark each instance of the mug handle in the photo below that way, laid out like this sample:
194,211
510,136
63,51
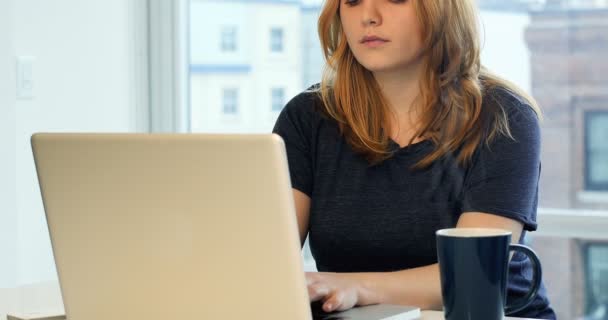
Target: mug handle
536,279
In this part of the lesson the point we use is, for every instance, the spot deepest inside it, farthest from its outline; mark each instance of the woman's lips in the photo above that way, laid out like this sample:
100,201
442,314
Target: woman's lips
373,41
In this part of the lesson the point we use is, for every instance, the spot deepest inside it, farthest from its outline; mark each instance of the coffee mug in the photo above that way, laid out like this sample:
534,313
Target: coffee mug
474,264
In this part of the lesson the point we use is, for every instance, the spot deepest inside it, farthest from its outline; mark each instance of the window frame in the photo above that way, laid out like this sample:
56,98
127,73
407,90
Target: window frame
277,39
588,183
229,44
590,302
277,100
169,63
234,101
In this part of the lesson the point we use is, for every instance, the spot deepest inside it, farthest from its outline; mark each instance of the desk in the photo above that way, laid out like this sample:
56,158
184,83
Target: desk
426,315
438,315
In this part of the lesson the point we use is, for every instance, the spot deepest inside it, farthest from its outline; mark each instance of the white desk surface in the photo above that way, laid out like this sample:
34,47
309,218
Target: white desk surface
426,315
438,315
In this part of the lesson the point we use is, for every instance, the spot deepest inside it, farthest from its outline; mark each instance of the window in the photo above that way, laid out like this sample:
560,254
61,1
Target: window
516,44
228,39
596,263
230,101
276,40
278,99
596,150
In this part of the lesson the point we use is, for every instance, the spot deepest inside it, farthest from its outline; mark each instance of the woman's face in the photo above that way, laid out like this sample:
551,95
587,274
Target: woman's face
384,35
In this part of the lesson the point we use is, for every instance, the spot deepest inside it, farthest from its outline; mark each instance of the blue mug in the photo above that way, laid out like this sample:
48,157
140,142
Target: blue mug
473,264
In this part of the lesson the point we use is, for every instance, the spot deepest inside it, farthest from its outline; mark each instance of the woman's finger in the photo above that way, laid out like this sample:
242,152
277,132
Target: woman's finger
317,292
334,302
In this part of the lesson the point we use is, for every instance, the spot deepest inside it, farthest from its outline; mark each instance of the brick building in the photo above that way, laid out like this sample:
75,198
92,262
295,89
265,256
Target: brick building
568,42
570,81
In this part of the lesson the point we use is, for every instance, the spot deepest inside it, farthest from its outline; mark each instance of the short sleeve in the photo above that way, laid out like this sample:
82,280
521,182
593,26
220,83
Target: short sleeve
294,125
503,178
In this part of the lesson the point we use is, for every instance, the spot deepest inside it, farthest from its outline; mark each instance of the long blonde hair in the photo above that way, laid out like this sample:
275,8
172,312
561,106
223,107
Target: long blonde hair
451,94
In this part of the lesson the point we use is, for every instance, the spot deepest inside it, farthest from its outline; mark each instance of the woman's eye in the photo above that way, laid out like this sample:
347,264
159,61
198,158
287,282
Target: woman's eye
354,2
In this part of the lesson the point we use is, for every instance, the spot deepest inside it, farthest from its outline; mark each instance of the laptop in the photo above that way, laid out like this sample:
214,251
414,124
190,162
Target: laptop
176,226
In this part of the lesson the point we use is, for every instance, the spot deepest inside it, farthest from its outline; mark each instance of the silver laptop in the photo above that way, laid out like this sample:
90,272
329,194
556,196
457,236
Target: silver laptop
176,226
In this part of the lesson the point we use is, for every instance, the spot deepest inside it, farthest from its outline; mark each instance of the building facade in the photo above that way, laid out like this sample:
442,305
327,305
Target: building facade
568,43
246,62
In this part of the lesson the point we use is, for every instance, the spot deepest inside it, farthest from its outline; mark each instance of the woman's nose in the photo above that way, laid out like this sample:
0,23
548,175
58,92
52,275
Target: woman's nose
370,14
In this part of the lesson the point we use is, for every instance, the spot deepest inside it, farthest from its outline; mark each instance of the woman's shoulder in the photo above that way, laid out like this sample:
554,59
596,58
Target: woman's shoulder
302,111
307,102
522,120
513,104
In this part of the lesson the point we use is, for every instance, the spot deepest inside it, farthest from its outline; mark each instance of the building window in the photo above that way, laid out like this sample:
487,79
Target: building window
278,99
228,39
230,101
276,40
596,264
596,150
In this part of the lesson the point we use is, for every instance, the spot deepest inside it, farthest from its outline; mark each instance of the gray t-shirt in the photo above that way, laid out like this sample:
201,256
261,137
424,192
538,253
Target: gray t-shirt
383,218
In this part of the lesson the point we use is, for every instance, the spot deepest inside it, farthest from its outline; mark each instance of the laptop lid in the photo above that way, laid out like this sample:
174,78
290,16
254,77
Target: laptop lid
172,226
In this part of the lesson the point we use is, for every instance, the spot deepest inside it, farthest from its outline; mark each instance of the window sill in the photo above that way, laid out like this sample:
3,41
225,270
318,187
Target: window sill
573,223
592,196
40,300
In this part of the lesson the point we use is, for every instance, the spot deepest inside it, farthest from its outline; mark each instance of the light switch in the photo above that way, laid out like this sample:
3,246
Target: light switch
25,77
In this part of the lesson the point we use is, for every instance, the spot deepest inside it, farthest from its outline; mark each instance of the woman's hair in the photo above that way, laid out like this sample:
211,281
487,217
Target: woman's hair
452,87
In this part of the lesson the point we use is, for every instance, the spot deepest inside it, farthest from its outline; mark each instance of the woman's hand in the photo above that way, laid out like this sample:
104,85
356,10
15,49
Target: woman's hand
337,291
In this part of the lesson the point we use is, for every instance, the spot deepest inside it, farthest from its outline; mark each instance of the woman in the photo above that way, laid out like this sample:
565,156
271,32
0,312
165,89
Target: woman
407,134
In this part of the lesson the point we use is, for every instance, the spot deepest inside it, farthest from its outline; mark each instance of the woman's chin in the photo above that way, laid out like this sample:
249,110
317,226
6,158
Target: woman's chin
376,66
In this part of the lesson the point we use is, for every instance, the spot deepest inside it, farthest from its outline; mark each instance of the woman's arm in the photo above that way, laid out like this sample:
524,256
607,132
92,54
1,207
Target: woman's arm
417,287
302,202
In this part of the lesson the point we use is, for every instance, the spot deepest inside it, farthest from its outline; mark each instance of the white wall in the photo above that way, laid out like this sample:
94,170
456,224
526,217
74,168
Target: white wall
83,81
8,203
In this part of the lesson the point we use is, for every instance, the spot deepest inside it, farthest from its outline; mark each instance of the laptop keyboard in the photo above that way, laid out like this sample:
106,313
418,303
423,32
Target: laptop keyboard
319,314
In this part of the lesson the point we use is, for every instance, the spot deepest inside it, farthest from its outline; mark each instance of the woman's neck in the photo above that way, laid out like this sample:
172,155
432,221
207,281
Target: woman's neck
401,88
